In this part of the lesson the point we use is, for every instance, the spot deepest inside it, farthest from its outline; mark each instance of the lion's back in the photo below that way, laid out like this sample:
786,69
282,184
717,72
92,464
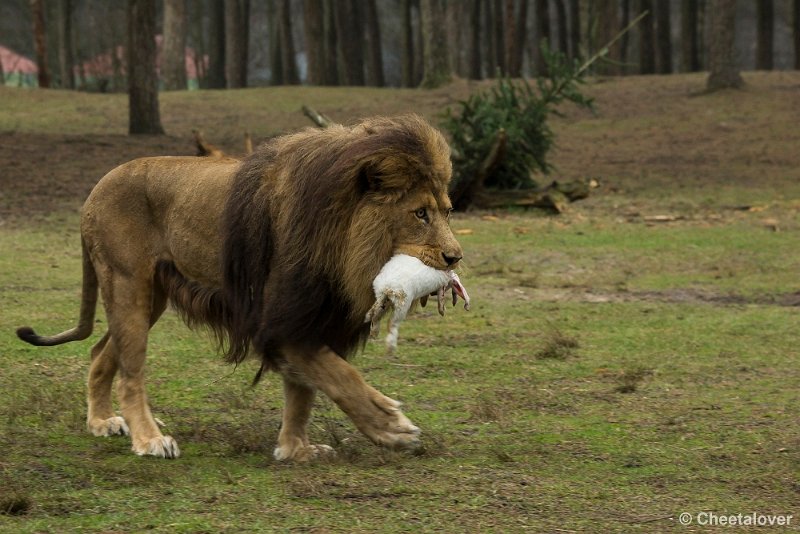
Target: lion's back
164,207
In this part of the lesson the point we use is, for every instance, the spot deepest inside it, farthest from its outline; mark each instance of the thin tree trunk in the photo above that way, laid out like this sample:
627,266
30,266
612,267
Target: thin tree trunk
796,34
647,51
374,50
233,44
563,30
765,39
314,31
275,53
690,54
237,36
516,19
407,51
575,29
542,36
244,43
510,35
499,36
474,50
625,41
418,45
288,59
216,45
330,43
607,28
173,66
40,42
489,29
663,37
349,29
144,117
436,65
723,67
65,57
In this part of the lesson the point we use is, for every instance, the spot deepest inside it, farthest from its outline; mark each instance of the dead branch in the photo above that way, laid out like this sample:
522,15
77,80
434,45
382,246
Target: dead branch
317,118
248,144
204,148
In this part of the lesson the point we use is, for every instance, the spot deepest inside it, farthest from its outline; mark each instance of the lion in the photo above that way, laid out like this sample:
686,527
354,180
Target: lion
275,253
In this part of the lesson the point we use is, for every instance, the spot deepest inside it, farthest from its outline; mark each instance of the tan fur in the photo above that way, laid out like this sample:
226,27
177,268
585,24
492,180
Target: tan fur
155,229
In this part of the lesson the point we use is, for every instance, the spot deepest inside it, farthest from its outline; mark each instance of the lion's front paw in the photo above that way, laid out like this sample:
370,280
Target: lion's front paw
113,426
392,428
304,453
160,447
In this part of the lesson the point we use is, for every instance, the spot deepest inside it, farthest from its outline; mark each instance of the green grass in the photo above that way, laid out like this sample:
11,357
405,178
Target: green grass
613,372
657,407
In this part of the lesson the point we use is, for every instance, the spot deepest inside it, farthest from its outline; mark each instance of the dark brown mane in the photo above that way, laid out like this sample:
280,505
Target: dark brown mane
303,235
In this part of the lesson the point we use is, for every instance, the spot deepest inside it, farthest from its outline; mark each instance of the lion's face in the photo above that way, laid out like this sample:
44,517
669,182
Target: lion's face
421,227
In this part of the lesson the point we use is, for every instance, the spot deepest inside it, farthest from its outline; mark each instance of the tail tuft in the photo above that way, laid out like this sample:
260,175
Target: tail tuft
27,335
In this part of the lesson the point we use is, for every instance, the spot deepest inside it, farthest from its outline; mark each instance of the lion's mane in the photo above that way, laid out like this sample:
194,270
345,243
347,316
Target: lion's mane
305,230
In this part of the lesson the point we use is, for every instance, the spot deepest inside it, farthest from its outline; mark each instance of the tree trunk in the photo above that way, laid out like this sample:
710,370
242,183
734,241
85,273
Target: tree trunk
607,29
40,42
65,57
374,50
663,37
330,42
235,70
574,29
350,31
796,34
515,36
216,45
288,58
407,51
173,65
474,50
723,67
436,65
144,117
244,45
625,41
542,36
314,31
489,29
563,30
499,36
690,53
766,24
275,52
647,51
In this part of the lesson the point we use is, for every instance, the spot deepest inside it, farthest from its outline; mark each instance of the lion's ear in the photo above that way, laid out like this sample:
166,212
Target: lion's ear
369,179
385,175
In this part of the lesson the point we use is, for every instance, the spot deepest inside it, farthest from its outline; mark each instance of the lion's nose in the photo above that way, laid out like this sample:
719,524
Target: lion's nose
450,260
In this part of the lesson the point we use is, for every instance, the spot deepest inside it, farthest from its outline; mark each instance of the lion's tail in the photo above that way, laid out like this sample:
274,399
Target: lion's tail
86,320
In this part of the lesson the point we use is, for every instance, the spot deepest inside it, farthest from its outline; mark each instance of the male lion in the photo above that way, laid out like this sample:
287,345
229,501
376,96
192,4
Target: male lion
276,253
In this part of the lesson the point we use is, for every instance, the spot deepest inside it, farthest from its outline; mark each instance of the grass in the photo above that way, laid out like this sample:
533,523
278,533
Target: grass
613,372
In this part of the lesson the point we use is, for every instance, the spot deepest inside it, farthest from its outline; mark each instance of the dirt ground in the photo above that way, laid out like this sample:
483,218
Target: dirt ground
654,138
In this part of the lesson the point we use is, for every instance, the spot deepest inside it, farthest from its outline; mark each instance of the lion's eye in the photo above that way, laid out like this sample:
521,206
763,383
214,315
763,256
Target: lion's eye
421,213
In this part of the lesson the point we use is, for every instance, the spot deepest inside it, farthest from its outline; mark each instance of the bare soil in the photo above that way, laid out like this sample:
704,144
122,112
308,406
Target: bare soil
654,138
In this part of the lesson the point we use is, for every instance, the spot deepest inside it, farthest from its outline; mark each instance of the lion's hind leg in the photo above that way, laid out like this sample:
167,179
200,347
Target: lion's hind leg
132,305
293,444
101,419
